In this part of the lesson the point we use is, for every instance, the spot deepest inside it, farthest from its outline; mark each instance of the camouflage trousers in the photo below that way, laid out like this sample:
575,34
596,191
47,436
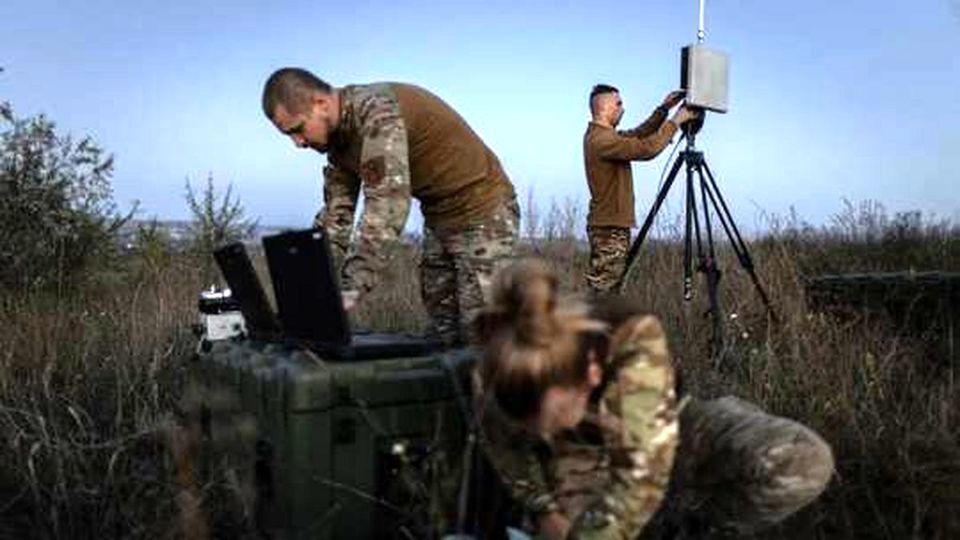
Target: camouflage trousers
457,270
608,256
738,470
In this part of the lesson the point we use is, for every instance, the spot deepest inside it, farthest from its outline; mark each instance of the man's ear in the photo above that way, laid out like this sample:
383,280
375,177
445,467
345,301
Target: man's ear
325,104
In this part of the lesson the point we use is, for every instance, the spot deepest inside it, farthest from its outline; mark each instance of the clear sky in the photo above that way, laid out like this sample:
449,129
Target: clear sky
829,99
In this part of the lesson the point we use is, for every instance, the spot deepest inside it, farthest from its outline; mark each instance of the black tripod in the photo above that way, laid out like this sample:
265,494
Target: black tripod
706,260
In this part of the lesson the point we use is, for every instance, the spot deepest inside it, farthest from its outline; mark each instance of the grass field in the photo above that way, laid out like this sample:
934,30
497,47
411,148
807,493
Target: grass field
92,382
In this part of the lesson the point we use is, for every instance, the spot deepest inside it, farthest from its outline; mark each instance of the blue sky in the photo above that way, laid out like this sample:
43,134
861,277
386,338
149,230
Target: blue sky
829,100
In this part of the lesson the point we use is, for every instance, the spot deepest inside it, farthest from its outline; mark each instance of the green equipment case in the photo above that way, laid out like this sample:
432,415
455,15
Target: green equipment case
362,449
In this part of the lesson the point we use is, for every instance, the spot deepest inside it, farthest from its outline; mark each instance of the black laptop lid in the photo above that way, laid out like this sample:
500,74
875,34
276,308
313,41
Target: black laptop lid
305,287
245,287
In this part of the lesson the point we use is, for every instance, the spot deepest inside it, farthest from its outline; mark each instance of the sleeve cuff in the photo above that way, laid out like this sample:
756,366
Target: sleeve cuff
356,281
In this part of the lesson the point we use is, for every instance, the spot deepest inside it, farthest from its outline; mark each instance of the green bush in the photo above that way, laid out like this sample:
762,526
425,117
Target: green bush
217,221
57,214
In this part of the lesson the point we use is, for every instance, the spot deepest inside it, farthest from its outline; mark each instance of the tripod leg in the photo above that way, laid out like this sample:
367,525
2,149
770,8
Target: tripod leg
708,265
726,219
690,222
736,240
647,223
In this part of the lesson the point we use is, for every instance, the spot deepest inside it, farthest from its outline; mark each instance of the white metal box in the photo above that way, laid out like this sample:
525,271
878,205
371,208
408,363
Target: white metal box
703,74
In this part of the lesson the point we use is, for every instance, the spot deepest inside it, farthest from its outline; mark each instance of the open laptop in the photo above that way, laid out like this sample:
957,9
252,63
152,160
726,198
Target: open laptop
310,307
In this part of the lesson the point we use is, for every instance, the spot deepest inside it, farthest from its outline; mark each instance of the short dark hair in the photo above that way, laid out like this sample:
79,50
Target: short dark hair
291,87
599,89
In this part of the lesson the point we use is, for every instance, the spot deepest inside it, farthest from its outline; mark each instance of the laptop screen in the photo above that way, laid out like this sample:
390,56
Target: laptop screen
305,287
244,286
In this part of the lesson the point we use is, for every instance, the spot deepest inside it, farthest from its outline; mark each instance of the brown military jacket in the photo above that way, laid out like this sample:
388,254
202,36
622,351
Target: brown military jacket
395,141
607,154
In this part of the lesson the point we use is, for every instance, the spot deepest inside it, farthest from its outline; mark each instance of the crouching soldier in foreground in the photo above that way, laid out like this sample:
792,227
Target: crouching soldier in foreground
580,420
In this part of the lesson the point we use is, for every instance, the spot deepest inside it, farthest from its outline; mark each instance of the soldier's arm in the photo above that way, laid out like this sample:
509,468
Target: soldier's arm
650,125
612,145
519,469
385,181
642,396
514,458
340,191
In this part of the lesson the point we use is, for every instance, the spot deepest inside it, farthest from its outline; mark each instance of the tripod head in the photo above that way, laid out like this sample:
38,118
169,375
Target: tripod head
690,128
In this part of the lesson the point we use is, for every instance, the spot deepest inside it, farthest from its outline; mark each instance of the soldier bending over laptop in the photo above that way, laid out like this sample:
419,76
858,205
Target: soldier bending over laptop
392,141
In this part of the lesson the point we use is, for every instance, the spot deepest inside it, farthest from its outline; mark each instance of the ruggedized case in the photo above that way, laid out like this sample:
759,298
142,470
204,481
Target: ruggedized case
370,449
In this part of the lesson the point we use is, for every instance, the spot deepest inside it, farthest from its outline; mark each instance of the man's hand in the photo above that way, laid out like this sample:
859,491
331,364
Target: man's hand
349,299
672,99
685,114
554,526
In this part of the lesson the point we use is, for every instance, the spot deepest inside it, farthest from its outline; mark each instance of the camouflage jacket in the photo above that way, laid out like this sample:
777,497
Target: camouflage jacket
610,474
396,141
372,133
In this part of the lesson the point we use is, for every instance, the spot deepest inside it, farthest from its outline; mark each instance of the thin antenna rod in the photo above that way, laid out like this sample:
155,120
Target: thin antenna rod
700,33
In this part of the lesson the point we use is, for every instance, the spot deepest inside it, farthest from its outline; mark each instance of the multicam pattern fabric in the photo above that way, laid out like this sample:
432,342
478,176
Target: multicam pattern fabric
639,411
737,468
371,126
608,255
340,192
457,270
519,457
740,470
612,473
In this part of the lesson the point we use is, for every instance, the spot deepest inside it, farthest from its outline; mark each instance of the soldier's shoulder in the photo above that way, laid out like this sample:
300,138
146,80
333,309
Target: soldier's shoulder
640,341
597,135
358,94
368,103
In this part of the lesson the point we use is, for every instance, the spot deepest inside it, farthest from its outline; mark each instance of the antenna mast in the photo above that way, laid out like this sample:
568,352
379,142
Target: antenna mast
700,33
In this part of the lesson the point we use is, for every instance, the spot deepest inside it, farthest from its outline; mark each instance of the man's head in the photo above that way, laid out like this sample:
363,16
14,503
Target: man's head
302,106
606,105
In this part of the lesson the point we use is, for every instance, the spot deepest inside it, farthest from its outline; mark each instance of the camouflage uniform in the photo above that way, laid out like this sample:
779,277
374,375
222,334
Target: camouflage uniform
371,152
384,176
628,440
608,256
457,270
737,469
740,470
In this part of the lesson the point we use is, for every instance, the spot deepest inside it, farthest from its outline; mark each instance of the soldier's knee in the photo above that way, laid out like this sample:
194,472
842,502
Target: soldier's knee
810,465
800,470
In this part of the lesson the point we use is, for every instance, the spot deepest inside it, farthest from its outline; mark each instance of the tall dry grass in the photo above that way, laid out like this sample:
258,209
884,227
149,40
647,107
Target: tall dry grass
95,417
90,394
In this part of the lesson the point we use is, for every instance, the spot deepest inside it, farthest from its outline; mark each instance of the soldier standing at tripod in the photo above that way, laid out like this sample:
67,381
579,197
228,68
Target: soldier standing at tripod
607,154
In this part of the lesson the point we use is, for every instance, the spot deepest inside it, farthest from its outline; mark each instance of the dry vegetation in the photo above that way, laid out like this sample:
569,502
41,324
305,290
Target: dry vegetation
91,381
